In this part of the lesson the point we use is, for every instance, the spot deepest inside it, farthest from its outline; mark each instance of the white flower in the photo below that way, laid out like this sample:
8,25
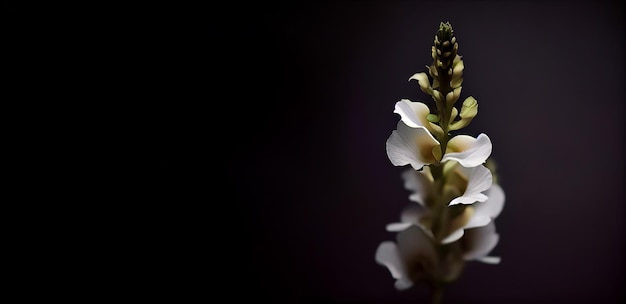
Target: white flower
410,260
421,185
478,179
478,242
414,256
413,143
483,209
478,214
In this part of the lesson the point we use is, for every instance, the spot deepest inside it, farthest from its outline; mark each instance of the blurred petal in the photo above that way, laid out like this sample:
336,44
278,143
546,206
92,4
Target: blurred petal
453,236
471,151
490,260
479,180
461,220
477,220
414,244
493,205
419,183
388,255
395,227
402,284
410,216
413,255
480,241
411,146
466,220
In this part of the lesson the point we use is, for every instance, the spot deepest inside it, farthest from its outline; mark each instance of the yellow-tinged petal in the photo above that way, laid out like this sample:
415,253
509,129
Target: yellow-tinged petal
437,152
433,71
462,219
469,151
469,110
454,113
411,146
437,96
456,82
424,83
457,69
453,96
456,60
460,143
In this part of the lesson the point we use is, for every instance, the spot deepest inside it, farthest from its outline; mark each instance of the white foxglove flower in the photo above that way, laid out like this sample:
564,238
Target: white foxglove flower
414,257
411,216
413,143
479,214
475,181
411,259
478,179
478,242
420,183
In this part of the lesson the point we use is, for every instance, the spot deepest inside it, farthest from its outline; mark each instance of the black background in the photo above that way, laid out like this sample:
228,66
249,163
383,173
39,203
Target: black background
303,96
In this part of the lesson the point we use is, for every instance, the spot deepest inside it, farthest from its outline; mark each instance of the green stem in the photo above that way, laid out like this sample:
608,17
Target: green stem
441,212
444,88
437,295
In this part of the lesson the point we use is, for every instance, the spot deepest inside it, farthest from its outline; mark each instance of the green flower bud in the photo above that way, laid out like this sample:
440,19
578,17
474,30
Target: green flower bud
457,72
422,80
445,46
437,96
454,113
456,82
453,96
434,118
469,110
432,70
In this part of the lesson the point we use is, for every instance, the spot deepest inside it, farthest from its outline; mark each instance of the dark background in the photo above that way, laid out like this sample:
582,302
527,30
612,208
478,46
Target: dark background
307,92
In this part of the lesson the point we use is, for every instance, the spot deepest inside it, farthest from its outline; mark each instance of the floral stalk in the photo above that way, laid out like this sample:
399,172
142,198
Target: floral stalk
454,193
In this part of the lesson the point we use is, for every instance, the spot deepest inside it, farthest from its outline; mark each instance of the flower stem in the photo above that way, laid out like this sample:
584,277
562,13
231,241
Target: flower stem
446,112
437,295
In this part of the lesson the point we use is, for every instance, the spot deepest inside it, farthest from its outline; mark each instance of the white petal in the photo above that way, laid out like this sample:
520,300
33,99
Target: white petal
472,152
418,183
490,260
477,220
413,247
480,241
413,114
453,236
413,242
388,255
412,214
410,112
493,205
411,146
402,284
479,180
395,227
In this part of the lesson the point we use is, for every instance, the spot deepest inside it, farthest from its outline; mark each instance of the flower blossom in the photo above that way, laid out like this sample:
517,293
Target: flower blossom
482,198
413,143
413,258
